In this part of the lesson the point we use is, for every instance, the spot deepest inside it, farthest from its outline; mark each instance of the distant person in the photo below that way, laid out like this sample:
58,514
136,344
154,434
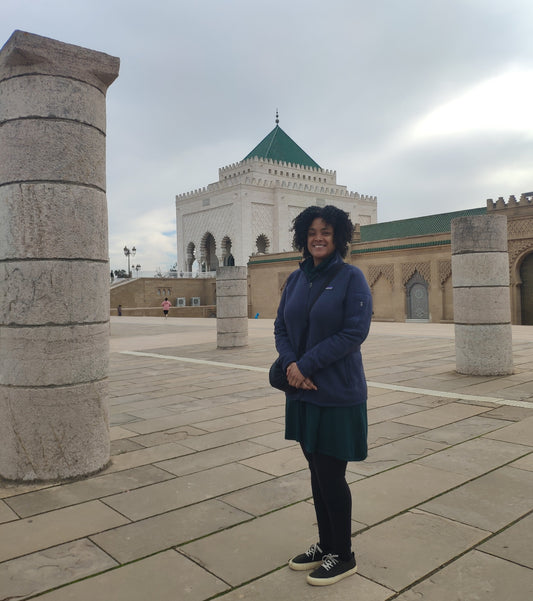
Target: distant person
166,304
119,310
323,318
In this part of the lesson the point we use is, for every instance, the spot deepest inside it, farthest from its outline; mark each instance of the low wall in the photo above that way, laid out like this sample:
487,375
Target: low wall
150,292
203,311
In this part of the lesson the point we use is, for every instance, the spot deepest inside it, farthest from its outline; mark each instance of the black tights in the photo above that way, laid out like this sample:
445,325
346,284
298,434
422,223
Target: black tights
333,503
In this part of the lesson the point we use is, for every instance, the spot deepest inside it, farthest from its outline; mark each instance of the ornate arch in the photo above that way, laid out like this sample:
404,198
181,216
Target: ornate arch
262,244
409,269
375,271
445,271
208,257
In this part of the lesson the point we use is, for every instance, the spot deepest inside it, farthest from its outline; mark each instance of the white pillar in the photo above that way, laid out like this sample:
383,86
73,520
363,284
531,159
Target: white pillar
481,297
54,260
232,307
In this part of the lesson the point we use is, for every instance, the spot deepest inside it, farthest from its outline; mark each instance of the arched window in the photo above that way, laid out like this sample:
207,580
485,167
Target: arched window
262,244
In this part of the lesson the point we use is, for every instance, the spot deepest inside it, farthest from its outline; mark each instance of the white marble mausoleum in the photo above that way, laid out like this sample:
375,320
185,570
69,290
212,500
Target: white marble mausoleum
250,209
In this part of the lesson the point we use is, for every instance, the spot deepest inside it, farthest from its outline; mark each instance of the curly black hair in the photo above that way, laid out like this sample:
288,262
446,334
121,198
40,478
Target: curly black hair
337,218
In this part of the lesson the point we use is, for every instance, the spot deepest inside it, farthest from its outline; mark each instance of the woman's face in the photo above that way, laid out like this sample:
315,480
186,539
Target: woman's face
320,240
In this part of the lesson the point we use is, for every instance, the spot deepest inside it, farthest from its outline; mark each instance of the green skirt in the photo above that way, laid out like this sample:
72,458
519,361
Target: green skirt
337,431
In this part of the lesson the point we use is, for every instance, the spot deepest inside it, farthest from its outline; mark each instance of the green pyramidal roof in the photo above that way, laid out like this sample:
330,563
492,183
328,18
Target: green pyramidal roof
278,146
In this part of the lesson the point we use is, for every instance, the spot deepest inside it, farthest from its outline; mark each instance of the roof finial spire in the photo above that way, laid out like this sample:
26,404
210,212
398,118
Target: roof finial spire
277,117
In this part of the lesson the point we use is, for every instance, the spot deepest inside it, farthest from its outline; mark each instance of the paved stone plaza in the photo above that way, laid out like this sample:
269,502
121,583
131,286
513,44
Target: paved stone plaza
204,498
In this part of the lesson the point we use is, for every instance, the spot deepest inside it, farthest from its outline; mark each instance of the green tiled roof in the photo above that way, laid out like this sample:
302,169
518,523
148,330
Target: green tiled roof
418,226
278,146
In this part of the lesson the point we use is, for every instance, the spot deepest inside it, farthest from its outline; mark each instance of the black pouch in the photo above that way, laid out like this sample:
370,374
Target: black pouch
278,378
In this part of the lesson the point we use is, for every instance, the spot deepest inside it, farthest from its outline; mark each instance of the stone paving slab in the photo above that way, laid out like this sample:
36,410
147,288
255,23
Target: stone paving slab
526,463
390,412
44,570
6,513
241,419
246,556
224,437
56,527
140,539
440,416
489,502
184,490
170,435
514,543
278,463
276,440
85,490
386,432
475,457
141,457
288,585
519,433
379,497
167,576
475,577
465,429
410,546
388,456
203,460
273,494
183,419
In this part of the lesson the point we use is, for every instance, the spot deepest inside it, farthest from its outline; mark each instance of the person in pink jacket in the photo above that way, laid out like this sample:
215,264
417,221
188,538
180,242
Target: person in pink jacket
166,304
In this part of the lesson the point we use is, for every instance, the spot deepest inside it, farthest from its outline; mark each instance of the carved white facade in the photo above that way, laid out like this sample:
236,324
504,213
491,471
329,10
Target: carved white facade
250,210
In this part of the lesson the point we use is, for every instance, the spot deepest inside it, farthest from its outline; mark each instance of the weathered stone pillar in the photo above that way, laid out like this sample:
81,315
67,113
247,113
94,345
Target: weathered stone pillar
54,265
232,307
481,298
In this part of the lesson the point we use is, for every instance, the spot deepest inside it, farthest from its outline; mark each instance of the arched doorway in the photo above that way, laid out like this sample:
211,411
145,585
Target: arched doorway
526,290
209,258
227,256
417,298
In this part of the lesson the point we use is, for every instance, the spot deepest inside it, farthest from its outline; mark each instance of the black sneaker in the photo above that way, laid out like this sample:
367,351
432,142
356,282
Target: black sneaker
332,570
312,558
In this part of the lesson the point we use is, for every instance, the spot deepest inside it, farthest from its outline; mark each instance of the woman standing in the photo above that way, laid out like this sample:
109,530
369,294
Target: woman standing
323,318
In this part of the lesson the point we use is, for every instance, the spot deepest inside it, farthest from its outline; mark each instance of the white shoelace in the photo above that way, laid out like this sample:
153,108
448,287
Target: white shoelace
312,551
329,561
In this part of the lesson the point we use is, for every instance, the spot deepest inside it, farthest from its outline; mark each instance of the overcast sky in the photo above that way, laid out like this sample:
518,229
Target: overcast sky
424,103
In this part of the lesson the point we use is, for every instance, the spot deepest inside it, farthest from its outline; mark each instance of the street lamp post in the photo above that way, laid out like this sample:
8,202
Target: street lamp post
129,252
137,269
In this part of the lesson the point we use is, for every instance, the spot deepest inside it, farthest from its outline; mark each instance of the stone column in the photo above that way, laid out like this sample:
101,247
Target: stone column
481,296
54,262
232,307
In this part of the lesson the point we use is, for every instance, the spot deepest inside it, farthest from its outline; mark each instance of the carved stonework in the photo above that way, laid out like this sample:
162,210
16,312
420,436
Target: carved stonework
520,228
262,221
517,247
408,269
445,271
374,271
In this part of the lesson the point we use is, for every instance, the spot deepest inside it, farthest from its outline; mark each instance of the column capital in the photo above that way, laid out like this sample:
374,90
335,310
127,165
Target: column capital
30,54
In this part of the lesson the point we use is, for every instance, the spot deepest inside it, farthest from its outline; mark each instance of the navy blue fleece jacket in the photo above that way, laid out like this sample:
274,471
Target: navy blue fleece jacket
338,324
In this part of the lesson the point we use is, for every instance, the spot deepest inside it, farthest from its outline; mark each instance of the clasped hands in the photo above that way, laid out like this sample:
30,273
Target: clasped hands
297,379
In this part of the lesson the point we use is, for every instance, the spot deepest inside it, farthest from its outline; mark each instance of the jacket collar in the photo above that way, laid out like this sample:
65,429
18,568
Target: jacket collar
312,272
